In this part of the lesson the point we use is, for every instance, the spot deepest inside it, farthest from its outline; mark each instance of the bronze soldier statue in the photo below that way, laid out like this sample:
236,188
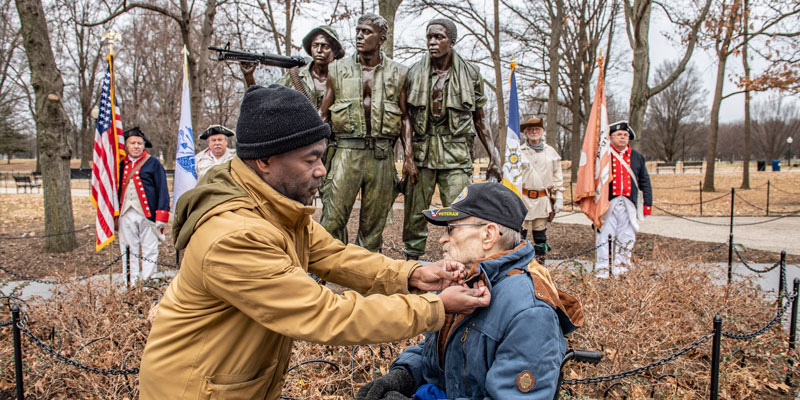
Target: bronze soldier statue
445,104
365,102
323,45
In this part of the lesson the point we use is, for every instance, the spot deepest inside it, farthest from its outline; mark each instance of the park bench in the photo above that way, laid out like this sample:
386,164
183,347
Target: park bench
692,164
666,165
25,182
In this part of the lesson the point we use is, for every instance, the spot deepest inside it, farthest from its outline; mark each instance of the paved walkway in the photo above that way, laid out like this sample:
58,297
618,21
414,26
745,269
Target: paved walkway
762,233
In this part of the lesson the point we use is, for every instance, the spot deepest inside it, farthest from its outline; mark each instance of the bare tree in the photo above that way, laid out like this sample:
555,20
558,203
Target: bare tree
724,31
149,81
541,34
775,121
195,32
637,25
674,114
388,9
275,18
52,127
589,22
80,49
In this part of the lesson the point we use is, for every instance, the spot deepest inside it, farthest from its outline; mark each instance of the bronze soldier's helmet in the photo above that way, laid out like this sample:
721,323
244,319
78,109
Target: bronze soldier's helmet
338,50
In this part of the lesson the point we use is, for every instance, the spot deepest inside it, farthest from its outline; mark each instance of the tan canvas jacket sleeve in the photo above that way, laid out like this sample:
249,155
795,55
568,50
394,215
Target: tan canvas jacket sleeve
271,289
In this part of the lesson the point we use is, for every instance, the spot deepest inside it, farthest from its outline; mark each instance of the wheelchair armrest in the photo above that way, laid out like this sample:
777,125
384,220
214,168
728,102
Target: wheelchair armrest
587,356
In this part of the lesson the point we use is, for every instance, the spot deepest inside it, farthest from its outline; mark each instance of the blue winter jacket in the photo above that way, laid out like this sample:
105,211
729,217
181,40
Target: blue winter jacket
509,350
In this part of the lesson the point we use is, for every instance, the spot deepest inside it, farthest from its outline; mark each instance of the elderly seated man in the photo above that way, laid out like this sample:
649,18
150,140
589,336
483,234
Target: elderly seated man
509,350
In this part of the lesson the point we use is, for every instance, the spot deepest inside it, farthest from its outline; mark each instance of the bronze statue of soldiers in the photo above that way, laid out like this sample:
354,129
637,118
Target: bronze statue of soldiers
445,104
323,45
365,102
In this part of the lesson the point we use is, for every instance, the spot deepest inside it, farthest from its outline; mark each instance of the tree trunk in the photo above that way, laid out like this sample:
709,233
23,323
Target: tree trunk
576,85
387,9
53,127
746,65
554,56
502,127
723,51
641,65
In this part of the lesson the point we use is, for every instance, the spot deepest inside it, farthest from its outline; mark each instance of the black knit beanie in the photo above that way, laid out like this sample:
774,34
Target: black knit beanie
274,120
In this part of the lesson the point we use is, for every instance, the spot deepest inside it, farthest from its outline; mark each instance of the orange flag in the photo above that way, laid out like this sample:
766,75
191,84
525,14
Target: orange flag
594,172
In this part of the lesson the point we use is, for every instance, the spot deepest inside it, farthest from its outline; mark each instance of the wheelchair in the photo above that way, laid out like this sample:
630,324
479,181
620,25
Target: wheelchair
581,356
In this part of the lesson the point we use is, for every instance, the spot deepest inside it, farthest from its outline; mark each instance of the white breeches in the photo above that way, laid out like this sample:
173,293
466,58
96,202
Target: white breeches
617,223
135,230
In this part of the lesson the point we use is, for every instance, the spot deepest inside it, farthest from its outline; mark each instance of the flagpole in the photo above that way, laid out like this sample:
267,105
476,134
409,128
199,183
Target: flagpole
108,38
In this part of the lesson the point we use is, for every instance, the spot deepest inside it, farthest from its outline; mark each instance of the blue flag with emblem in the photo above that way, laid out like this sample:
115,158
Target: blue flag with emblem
185,172
512,173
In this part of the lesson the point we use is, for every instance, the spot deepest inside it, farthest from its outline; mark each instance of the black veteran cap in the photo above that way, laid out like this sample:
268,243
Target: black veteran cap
490,201
621,126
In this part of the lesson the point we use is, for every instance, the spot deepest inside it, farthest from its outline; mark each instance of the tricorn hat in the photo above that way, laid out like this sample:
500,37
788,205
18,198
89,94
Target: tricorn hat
532,122
135,131
336,45
216,130
621,126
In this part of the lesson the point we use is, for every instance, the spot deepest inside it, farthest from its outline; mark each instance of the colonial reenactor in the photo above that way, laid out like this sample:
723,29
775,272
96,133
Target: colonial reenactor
631,199
217,152
445,103
365,102
144,208
542,181
323,45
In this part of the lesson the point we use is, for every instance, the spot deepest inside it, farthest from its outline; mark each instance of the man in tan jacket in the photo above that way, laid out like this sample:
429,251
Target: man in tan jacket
225,326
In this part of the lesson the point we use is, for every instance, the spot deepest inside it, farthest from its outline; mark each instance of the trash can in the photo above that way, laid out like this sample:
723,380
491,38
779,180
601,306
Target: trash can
776,165
762,165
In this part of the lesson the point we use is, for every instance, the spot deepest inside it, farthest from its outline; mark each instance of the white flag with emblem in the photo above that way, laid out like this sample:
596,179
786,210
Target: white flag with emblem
512,174
185,172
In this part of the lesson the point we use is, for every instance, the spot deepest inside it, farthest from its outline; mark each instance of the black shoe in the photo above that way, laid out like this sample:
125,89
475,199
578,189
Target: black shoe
411,257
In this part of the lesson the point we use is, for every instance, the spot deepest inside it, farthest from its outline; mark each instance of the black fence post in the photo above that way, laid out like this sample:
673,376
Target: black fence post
730,242
793,328
701,197
128,266
571,197
781,280
17,351
715,350
768,197
610,254
782,277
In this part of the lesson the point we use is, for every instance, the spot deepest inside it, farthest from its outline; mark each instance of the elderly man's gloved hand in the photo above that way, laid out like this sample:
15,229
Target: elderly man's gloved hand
396,385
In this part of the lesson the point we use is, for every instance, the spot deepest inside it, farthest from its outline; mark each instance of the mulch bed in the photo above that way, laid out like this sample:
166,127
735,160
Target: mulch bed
26,256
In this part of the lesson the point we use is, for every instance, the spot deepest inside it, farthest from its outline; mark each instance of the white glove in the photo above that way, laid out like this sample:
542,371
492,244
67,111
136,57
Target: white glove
559,203
159,230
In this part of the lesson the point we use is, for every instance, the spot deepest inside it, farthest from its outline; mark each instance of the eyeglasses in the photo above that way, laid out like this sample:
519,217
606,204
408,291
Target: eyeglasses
451,226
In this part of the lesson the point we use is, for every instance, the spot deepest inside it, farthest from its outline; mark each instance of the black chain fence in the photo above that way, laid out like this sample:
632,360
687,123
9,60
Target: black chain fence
760,331
69,361
640,370
751,268
45,236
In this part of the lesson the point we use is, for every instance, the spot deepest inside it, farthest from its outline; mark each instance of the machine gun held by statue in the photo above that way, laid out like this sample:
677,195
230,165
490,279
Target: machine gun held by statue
273,60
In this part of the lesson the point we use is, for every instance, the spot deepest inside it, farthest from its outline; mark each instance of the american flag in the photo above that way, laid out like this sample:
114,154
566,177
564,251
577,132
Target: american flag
109,149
